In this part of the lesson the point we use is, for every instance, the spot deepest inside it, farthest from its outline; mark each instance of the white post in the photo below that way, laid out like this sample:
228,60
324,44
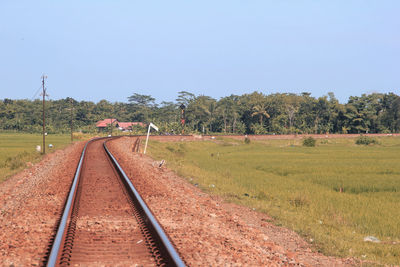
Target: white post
147,139
151,125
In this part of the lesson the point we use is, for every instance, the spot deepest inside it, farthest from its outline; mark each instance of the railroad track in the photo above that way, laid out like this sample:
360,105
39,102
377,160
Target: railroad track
105,221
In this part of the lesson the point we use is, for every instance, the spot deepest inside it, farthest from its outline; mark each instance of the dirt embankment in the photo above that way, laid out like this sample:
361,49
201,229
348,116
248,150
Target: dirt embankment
30,205
207,231
195,137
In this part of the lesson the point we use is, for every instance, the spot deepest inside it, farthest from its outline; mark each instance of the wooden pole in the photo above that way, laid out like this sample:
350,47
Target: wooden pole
72,121
44,117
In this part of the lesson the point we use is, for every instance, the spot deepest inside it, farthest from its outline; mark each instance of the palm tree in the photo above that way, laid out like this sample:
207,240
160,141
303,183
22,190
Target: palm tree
260,111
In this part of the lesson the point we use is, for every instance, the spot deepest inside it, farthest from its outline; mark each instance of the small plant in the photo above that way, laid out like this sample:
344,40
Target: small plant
324,141
16,163
263,196
365,140
170,148
179,151
309,142
299,201
247,140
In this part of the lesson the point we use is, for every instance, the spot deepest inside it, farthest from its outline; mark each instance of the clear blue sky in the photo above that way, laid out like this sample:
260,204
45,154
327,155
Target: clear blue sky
93,50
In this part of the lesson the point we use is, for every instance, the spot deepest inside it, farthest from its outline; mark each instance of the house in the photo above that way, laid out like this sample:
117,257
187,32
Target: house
101,125
127,126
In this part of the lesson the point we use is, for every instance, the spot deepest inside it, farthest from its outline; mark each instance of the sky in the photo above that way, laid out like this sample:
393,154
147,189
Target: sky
96,49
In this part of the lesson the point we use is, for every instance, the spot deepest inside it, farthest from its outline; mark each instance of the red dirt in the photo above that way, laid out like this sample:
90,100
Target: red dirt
30,205
207,231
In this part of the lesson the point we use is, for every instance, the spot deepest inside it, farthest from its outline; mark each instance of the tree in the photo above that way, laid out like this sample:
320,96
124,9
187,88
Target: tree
141,100
248,113
168,112
200,113
185,98
291,112
260,111
227,110
141,107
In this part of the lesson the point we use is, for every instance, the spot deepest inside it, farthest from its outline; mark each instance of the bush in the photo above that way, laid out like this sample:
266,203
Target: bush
365,140
309,142
299,201
324,141
257,128
17,161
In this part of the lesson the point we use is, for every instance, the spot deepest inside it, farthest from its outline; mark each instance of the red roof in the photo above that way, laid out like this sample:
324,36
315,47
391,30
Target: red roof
126,125
105,122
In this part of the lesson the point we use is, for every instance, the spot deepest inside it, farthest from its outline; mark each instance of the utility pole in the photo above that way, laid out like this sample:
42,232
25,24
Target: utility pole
111,126
71,100
44,117
72,121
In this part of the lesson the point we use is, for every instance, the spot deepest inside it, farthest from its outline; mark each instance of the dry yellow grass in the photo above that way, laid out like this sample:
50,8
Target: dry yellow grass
334,194
16,149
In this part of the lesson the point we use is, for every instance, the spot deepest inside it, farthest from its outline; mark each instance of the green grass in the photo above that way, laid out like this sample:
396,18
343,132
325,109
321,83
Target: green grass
300,187
16,149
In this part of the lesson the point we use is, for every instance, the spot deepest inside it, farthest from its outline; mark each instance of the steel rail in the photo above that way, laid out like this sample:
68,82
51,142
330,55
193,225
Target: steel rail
57,243
54,253
170,253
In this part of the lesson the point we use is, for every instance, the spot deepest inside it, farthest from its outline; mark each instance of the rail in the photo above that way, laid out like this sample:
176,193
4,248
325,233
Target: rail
167,250
54,253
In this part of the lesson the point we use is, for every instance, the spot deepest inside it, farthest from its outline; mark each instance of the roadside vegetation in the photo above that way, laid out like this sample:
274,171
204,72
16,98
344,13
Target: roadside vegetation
335,194
18,150
366,140
255,113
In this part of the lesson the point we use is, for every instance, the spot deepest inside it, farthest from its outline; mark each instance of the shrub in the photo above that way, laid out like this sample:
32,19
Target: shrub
262,195
257,128
299,201
170,149
365,140
247,140
309,142
17,161
324,141
179,151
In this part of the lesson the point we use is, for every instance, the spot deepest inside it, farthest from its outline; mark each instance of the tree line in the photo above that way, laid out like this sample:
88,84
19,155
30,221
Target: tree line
255,113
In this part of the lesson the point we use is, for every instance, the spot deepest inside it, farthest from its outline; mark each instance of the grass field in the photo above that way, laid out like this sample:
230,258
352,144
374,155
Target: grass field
334,194
16,149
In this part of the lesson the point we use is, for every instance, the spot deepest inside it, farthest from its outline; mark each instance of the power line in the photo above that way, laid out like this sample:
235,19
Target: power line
37,91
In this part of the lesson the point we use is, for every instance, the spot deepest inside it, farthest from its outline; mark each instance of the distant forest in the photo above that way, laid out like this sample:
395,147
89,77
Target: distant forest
254,113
